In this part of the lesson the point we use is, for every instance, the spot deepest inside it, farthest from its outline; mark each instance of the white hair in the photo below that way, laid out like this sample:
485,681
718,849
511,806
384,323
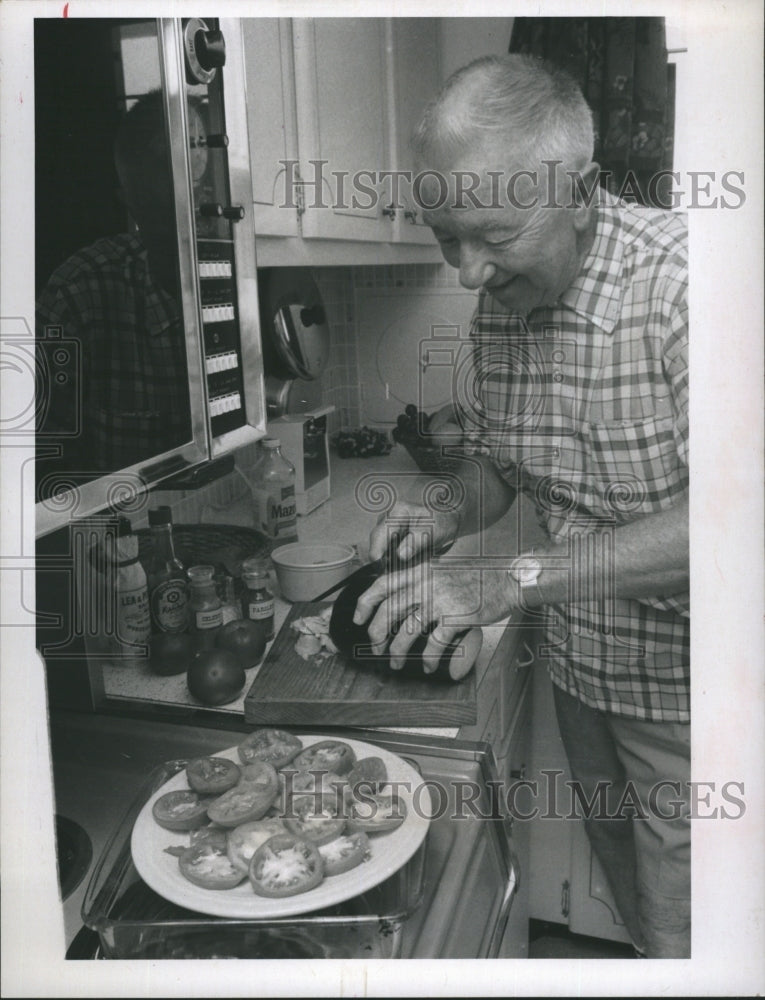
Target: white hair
537,109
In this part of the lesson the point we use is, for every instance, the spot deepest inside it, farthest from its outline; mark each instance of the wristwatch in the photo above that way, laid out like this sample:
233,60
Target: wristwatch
526,570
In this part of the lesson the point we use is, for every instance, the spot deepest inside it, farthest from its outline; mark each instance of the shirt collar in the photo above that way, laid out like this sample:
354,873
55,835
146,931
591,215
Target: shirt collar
596,292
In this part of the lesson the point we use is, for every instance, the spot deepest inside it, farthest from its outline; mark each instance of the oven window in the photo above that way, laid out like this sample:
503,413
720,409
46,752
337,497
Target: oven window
111,342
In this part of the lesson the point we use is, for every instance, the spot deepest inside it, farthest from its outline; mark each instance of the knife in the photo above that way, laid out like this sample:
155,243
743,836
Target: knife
380,566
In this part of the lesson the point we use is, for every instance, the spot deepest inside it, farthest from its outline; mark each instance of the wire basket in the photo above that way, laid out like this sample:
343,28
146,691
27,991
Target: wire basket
223,545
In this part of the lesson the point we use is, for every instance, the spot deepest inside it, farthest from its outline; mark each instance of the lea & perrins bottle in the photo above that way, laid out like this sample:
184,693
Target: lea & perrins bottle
168,585
133,624
273,490
206,606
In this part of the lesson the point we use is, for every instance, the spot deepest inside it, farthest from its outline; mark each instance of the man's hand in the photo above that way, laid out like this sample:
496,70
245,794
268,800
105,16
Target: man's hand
429,597
420,530
443,426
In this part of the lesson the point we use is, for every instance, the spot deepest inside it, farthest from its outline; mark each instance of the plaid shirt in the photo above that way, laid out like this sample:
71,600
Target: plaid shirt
132,388
584,407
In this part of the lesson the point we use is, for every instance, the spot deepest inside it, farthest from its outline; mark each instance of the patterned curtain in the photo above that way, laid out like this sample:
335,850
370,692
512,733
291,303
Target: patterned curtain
621,65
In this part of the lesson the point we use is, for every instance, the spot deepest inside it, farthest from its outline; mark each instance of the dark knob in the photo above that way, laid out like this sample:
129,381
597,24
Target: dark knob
234,212
211,209
312,314
215,141
210,49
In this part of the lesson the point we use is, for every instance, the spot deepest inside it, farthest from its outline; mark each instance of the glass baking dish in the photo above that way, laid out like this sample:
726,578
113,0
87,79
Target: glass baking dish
133,921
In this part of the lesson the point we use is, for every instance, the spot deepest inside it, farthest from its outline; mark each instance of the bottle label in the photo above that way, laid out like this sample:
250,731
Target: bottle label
209,619
278,513
169,606
259,610
134,625
281,513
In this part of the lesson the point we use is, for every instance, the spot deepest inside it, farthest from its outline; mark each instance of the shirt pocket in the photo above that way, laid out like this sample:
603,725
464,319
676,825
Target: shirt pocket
632,466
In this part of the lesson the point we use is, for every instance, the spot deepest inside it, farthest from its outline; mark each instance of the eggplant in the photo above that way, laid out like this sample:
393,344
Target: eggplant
353,640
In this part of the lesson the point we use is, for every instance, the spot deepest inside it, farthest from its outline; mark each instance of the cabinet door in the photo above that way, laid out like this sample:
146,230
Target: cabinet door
341,83
271,123
567,882
416,81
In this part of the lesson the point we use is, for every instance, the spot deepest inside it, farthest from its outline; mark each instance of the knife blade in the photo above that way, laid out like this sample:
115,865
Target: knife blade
380,566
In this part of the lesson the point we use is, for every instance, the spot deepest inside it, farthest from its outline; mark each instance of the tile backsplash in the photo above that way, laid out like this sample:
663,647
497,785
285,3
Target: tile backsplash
341,380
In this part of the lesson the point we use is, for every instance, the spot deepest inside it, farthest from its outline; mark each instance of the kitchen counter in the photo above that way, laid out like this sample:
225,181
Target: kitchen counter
360,490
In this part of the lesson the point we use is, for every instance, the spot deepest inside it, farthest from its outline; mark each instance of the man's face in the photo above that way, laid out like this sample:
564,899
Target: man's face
524,256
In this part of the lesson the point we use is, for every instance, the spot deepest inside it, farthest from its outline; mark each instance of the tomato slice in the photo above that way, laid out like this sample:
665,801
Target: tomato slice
209,867
368,773
328,755
212,775
284,866
315,818
314,782
244,840
247,801
345,852
180,810
275,746
376,813
210,834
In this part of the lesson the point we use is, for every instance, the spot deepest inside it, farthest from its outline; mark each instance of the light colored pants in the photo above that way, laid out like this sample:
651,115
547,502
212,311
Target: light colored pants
647,860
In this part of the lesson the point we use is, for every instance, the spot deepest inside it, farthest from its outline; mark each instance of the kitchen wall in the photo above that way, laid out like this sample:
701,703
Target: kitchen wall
340,288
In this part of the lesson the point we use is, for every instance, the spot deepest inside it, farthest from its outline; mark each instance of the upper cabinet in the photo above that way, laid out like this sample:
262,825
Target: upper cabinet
416,69
270,82
332,103
341,77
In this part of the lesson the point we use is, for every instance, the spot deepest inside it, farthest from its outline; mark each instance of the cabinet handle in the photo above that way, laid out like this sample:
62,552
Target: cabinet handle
529,653
565,898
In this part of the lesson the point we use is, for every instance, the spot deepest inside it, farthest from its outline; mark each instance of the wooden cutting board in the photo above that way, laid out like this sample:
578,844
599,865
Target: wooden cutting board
334,690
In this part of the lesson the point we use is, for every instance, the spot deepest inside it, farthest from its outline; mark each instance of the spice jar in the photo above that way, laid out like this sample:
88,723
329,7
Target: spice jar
206,607
257,599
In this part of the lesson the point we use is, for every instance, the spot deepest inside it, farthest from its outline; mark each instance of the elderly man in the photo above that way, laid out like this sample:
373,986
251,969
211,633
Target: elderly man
578,398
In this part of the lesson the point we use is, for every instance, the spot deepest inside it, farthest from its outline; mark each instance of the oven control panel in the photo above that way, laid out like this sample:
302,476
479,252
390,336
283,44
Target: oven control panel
214,219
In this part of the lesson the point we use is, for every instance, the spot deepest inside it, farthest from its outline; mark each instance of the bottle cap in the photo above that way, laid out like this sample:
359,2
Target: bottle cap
255,564
160,515
271,443
253,577
201,574
124,527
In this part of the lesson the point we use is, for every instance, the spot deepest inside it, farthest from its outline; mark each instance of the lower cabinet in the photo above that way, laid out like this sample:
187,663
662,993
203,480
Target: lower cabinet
504,698
567,883
561,881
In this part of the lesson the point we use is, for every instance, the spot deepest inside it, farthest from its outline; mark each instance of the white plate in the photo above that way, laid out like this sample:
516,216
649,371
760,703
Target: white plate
389,851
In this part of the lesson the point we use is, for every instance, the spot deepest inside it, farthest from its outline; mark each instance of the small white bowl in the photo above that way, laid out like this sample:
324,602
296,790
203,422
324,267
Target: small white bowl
305,570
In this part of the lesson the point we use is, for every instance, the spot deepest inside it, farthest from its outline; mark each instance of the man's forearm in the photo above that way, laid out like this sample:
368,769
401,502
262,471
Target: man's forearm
487,495
646,558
